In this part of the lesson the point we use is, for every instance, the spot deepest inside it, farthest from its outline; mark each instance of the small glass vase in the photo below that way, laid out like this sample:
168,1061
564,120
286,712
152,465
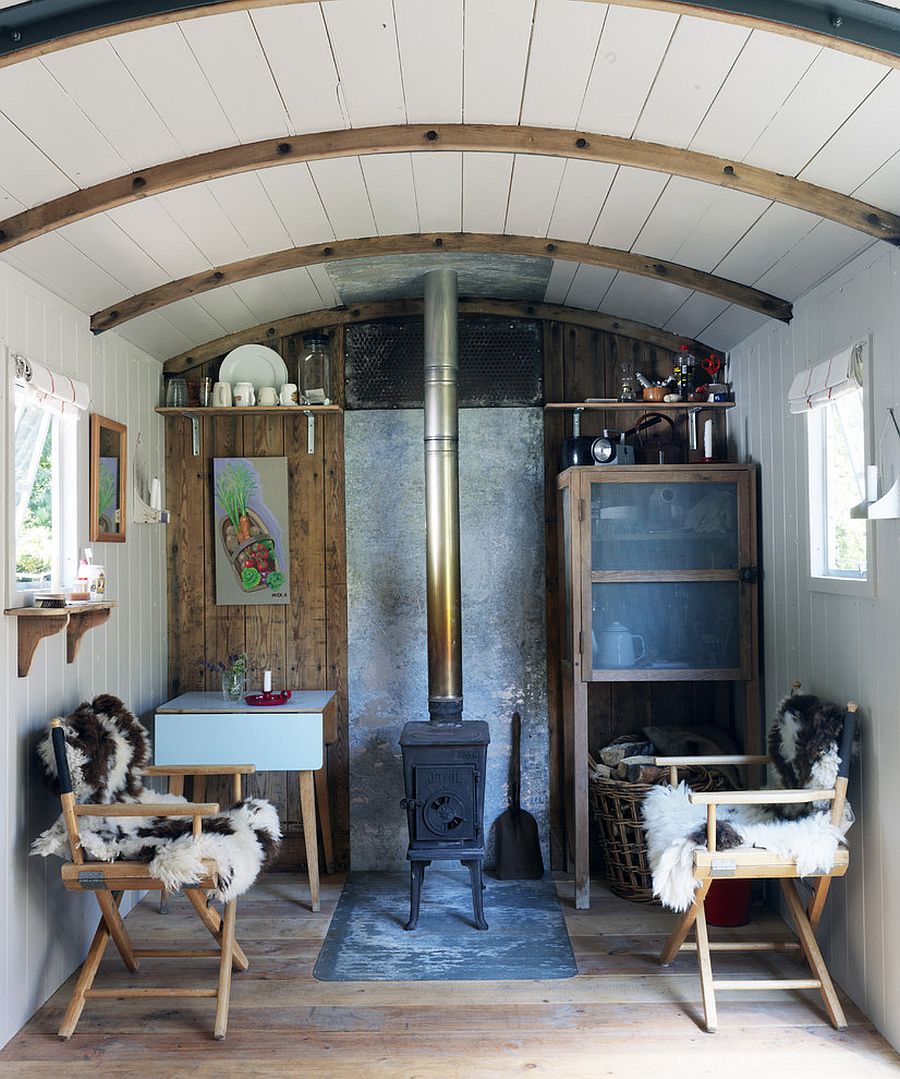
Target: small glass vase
233,685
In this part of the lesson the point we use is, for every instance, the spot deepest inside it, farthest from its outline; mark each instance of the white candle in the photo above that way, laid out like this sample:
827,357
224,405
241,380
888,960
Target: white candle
267,681
707,440
155,494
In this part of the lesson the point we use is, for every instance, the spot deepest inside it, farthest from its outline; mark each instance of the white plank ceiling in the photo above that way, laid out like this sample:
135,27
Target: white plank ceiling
100,110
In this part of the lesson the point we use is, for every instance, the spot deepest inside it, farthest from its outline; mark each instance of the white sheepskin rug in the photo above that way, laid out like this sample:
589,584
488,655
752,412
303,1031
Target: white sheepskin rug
106,747
675,829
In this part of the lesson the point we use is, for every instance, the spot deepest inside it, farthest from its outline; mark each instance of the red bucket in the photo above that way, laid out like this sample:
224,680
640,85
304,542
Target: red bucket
728,902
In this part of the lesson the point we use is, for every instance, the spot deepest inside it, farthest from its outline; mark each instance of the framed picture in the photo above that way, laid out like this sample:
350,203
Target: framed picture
108,472
250,496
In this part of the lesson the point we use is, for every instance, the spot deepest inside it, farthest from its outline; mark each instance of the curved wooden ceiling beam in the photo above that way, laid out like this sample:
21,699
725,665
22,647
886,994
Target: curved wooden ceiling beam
429,243
267,332
845,25
486,138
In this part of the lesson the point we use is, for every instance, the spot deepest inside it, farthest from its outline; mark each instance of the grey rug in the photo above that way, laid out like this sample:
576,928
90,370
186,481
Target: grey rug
366,940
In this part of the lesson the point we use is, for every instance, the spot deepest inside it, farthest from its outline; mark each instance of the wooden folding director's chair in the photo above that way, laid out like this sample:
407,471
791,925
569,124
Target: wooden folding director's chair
759,864
109,880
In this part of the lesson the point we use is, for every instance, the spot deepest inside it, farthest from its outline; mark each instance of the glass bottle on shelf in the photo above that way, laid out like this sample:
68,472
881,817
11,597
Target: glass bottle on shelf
314,371
627,391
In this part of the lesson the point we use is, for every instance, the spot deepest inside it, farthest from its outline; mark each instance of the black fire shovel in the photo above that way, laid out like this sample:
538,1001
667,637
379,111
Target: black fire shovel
518,844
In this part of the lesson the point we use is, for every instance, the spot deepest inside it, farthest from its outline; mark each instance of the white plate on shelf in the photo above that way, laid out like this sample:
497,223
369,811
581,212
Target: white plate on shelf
254,363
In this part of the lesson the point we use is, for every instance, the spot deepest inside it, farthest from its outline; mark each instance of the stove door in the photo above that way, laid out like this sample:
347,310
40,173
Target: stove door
445,802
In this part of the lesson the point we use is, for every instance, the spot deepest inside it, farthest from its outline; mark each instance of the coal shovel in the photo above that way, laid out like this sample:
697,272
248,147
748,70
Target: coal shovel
518,844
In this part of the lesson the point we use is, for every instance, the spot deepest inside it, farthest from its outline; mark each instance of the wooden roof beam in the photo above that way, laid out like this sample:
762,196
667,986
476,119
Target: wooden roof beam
850,26
487,138
268,332
429,243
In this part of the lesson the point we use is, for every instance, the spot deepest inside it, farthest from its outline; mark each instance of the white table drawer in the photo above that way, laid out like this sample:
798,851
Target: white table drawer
274,742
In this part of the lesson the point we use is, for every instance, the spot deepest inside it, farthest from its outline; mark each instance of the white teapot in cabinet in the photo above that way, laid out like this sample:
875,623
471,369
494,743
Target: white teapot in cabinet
615,647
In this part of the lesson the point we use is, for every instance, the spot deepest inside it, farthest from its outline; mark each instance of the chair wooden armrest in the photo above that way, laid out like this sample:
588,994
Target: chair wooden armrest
148,809
674,763
199,770
711,799
723,758
774,796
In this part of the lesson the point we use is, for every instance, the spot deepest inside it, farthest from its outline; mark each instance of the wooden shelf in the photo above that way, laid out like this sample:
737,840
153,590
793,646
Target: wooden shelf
249,410
35,623
637,406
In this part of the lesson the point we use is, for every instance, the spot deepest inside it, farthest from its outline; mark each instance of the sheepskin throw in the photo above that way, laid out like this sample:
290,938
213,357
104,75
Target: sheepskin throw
106,748
804,745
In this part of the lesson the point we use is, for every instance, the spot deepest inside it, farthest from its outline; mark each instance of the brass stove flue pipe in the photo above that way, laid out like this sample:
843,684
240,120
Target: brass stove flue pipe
445,702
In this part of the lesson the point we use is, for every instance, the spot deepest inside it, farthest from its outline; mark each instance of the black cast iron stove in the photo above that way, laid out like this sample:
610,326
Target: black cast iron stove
444,759
443,772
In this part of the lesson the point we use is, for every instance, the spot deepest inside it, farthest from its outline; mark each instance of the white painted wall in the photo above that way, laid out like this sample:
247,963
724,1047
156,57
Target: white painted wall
838,646
44,932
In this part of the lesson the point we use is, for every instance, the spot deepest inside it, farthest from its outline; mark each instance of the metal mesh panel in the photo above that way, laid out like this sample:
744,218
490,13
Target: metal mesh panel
500,363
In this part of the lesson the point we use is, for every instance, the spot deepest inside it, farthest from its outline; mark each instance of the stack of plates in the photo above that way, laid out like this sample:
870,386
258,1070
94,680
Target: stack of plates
254,363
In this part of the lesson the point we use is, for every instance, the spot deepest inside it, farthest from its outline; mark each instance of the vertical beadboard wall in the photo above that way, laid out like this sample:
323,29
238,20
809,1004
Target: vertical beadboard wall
44,932
838,646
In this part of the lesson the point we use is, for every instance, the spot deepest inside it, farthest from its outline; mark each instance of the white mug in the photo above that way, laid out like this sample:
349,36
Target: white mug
244,394
221,395
289,393
268,395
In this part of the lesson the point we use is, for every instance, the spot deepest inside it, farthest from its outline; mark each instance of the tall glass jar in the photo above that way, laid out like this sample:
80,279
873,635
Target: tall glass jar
314,371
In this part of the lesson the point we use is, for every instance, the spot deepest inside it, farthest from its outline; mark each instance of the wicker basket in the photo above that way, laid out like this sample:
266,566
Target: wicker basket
616,807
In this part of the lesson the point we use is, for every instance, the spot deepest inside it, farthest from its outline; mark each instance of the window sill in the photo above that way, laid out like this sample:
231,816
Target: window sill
843,586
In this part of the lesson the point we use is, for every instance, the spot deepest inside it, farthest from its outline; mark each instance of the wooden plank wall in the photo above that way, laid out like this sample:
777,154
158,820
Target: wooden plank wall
838,645
304,643
579,363
307,641
46,929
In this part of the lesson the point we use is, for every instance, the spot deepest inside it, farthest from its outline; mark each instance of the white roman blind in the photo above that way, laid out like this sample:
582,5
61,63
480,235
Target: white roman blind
51,391
834,377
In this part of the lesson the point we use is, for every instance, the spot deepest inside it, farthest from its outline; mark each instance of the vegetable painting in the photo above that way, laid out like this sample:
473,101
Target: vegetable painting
236,484
251,551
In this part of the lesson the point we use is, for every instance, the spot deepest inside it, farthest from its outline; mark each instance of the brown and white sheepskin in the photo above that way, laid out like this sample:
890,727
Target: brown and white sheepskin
804,744
106,748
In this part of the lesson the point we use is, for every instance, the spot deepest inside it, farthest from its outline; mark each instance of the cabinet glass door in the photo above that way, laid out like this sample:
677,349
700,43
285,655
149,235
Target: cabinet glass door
665,626
664,597
647,526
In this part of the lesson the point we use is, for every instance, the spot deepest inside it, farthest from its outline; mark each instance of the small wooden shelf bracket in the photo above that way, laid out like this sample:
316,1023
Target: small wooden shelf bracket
34,624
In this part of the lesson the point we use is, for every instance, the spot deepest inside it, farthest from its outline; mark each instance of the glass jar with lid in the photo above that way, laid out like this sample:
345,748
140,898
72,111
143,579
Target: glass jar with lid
314,371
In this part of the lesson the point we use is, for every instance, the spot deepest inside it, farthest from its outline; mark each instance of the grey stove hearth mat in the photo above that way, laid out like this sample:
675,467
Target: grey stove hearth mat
366,940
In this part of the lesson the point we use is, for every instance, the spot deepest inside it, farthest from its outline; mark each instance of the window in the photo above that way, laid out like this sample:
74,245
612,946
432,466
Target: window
42,521
36,498
837,442
834,397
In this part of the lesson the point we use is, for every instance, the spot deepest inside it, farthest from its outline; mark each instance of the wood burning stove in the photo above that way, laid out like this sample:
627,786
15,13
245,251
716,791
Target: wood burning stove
443,772
444,759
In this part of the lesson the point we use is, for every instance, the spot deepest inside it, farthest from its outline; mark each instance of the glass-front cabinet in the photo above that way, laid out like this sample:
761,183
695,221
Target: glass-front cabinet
662,563
658,583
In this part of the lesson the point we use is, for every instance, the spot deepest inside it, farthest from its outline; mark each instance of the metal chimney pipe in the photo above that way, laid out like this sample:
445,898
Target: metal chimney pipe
445,702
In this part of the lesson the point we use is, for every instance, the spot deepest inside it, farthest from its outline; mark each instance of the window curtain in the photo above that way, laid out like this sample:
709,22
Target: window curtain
833,378
57,394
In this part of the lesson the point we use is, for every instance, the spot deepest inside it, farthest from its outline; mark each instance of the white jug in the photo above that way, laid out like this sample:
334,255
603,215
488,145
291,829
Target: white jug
614,647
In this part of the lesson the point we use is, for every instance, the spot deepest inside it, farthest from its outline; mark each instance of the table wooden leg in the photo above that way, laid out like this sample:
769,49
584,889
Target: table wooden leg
308,815
324,810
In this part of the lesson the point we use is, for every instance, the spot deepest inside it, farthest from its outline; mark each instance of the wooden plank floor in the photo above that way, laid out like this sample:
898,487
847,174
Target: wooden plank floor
623,1015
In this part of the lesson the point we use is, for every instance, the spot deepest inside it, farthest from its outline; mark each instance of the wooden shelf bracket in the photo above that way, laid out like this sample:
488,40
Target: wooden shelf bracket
34,624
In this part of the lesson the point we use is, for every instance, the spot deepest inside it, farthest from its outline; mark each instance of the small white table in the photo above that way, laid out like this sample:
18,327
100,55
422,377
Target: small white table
203,728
